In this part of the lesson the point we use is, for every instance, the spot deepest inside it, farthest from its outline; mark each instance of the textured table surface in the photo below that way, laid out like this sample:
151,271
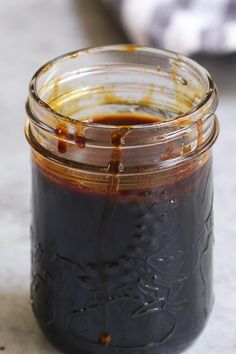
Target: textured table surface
32,32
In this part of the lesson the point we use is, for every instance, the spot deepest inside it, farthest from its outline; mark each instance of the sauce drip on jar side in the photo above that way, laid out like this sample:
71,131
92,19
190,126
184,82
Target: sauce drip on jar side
114,168
126,272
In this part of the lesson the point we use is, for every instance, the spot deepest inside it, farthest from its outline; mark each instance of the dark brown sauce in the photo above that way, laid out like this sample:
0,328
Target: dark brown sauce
126,120
130,47
105,339
117,274
80,141
114,168
62,145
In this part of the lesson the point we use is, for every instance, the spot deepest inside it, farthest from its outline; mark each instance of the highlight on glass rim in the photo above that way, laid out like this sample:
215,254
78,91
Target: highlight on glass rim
117,197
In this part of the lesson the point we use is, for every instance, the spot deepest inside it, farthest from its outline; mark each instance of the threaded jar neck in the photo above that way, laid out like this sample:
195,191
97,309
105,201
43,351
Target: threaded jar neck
67,94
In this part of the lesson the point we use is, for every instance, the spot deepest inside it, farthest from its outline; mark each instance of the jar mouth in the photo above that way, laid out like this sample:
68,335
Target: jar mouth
69,90
209,97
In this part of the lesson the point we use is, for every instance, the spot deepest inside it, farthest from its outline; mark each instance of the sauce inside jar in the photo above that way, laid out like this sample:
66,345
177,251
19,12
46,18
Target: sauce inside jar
121,271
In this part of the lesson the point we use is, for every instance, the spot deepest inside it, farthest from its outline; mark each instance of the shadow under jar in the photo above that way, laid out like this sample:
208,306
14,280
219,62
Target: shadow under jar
122,194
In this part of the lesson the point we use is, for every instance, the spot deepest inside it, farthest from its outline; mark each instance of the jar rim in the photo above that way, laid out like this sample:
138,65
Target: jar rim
179,138
210,95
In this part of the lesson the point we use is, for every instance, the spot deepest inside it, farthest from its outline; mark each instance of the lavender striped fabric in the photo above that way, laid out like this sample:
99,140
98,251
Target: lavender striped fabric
186,26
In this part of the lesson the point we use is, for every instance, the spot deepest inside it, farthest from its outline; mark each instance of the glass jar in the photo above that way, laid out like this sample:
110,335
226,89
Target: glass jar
122,194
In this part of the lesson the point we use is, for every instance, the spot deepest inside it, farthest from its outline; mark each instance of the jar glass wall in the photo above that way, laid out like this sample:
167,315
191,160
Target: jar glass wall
122,227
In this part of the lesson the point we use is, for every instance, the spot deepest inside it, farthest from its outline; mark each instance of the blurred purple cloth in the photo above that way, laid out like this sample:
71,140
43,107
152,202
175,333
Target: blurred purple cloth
185,26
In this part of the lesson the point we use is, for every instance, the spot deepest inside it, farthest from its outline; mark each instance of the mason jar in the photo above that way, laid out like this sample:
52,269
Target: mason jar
122,216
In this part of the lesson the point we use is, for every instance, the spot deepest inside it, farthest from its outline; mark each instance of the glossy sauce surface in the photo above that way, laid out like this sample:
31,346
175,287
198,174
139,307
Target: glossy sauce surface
122,272
126,120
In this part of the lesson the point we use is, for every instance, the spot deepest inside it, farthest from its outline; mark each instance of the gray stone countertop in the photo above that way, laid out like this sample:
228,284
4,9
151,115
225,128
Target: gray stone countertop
31,33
